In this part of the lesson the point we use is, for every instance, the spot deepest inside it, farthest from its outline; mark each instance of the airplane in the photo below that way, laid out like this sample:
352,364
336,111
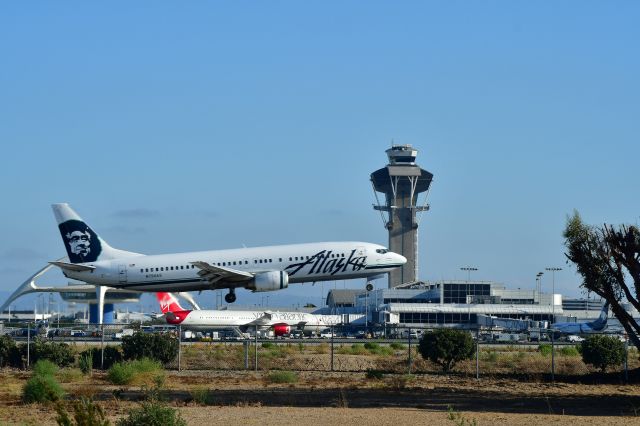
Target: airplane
282,323
596,326
92,260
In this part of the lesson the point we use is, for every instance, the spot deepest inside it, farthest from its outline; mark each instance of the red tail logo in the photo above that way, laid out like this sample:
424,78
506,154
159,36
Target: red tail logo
168,303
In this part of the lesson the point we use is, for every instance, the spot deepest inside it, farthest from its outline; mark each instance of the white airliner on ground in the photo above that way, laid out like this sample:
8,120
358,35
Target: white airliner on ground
281,322
269,268
596,326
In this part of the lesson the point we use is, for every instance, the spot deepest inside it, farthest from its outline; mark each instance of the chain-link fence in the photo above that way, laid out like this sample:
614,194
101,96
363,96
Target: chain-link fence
536,354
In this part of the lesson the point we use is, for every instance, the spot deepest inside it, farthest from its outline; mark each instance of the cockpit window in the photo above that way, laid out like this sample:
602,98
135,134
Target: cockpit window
382,251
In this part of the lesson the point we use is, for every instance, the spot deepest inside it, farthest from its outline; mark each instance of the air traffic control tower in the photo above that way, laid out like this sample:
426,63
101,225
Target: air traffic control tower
402,181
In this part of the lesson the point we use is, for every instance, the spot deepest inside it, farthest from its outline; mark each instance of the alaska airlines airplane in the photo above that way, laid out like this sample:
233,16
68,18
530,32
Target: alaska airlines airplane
281,322
595,326
269,268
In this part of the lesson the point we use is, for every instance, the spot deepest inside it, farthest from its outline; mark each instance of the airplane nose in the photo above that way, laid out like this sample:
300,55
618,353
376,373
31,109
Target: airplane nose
401,258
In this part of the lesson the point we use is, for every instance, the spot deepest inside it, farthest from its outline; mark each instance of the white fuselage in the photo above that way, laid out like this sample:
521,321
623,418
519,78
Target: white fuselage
302,262
207,319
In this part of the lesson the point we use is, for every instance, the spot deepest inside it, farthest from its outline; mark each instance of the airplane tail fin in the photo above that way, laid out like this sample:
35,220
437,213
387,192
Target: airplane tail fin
168,303
82,243
601,322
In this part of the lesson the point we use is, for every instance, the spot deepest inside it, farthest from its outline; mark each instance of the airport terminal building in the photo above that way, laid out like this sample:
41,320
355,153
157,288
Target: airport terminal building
445,304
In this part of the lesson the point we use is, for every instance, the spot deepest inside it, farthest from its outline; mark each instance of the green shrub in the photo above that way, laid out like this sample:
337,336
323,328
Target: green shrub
201,396
69,375
60,354
124,373
85,362
85,413
42,389
267,345
112,355
120,374
545,349
9,352
491,356
282,377
569,351
158,346
371,346
153,413
397,346
375,374
358,349
44,367
602,351
446,347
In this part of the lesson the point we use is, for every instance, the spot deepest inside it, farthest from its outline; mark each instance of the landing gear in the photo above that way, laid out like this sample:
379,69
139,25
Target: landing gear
231,296
369,287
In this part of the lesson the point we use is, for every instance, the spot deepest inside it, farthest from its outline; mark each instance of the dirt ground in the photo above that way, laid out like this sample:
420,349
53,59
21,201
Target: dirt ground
245,398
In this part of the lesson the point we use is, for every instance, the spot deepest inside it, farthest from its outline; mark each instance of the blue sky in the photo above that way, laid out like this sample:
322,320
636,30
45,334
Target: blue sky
177,127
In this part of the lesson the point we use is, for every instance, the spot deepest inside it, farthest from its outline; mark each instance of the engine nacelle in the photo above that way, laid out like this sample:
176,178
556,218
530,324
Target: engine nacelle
281,329
270,281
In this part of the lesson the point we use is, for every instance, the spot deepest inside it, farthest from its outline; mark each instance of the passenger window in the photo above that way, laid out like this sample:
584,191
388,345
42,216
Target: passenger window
234,263
290,259
280,260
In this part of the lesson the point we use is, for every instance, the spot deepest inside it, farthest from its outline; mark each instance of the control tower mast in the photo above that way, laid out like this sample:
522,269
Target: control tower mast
402,181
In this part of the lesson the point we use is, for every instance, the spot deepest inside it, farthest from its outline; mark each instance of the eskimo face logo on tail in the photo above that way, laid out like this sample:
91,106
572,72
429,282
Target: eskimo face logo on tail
81,242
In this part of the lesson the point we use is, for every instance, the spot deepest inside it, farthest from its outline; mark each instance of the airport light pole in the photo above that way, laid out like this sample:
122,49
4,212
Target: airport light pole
539,284
553,270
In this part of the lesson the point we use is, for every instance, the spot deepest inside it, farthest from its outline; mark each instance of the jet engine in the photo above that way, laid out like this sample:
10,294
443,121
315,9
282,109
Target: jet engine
281,329
270,281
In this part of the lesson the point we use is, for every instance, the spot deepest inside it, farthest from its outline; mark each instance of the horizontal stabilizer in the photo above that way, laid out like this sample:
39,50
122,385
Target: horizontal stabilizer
73,266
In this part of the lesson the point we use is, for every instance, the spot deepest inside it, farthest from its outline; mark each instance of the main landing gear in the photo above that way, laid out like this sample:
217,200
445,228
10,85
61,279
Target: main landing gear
369,286
231,296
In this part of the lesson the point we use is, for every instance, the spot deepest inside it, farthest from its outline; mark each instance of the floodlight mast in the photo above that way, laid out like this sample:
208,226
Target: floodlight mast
402,181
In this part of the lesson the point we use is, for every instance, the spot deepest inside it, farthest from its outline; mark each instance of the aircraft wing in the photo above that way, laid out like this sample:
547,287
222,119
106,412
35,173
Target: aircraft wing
214,274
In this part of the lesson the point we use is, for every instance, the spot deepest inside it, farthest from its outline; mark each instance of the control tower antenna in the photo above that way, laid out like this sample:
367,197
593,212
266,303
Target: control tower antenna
402,181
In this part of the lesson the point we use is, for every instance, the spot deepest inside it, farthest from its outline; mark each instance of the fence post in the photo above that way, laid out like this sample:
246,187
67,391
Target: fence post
332,333
256,343
553,357
28,344
179,346
477,353
245,343
102,346
409,360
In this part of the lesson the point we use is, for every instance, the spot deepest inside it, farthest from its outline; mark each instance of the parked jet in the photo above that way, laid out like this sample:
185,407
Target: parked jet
596,326
269,268
281,322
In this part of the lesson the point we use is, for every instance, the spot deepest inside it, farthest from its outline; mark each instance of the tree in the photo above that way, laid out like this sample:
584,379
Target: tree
446,347
158,346
602,351
608,258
